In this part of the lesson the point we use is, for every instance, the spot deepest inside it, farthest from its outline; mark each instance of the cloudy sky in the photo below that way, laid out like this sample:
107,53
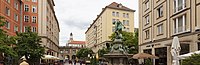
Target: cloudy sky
76,15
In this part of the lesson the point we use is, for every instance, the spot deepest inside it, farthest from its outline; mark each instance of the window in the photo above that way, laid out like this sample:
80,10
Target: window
127,22
15,28
113,29
147,4
180,24
160,11
113,14
147,34
34,19
8,1
7,11
74,51
26,18
117,14
127,29
117,20
26,8
34,0
34,9
147,19
25,28
113,21
160,29
7,24
16,5
127,15
15,17
179,5
34,29
124,15
124,22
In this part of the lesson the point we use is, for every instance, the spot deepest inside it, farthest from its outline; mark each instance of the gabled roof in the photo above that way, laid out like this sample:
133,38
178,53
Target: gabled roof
115,5
77,42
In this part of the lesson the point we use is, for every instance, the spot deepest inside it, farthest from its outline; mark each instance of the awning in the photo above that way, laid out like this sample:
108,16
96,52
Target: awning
50,57
144,56
184,56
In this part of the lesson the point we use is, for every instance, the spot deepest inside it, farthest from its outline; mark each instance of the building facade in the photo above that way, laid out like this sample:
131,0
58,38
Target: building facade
69,51
11,11
97,35
30,15
39,15
48,27
161,20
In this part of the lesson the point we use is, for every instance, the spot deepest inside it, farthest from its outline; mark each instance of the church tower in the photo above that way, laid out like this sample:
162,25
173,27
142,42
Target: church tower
71,37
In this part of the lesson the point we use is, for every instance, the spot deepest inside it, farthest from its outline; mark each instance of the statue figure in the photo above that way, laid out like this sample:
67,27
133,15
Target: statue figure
118,29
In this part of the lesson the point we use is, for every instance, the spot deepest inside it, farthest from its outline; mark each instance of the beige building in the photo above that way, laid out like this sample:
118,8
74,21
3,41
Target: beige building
69,51
102,27
48,27
161,20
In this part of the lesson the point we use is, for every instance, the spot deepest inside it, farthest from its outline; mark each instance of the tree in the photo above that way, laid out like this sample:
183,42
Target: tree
5,43
83,53
103,51
192,60
129,39
29,46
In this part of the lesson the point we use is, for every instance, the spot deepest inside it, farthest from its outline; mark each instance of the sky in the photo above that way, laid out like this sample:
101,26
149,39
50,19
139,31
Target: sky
75,16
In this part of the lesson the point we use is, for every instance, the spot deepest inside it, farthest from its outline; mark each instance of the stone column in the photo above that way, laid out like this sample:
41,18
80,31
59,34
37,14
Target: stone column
110,62
193,46
121,61
169,56
153,53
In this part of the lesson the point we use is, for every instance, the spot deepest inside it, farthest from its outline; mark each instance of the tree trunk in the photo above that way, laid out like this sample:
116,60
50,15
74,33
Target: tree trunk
1,56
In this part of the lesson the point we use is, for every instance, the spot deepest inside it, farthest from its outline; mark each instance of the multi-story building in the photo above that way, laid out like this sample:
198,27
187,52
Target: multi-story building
30,15
37,14
48,27
97,35
11,11
69,51
161,20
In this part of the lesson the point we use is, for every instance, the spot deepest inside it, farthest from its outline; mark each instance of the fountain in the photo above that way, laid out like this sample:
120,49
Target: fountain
118,54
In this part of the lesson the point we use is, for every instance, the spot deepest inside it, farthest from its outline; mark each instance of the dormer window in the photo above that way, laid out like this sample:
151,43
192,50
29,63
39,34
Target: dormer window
119,5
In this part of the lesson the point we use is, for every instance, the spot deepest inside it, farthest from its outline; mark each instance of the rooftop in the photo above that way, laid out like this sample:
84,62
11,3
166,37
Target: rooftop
77,42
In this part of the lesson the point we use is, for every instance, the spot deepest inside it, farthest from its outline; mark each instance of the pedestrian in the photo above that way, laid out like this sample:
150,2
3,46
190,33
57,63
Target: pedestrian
24,62
2,63
74,62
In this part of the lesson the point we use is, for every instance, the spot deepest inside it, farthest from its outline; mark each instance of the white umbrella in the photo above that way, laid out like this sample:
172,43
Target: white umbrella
175,49
184,56
49,57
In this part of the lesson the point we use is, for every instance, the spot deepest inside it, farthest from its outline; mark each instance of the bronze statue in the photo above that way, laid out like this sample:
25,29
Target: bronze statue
118,29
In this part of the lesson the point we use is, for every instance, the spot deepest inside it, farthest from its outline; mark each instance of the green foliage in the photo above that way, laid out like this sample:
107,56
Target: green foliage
103,51
94,61
130,39
148,62
29,46
83,53
192,60
5,42
2,21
